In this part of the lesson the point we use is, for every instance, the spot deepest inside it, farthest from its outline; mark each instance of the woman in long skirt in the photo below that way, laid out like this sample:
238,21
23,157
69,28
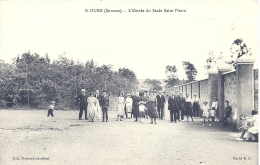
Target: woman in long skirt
91,107
120,106
152,112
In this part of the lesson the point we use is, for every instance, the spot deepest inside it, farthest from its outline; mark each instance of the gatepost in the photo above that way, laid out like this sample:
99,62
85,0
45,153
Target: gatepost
221,102
245,86
212,84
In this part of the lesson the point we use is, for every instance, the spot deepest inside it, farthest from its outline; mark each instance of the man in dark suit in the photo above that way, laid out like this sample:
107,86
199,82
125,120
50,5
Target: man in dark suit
160,101
173,107
104,103
82,104
182,103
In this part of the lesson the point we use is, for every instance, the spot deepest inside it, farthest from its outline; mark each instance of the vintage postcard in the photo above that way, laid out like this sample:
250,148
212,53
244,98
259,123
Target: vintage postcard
129,82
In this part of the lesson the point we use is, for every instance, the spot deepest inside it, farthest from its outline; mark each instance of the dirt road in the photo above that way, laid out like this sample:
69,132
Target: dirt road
26,139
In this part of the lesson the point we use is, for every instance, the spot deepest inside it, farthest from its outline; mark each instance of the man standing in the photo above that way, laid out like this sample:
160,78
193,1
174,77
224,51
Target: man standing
104,103
196,106
177,97
160,101
182,103
227,112
82,104
173,107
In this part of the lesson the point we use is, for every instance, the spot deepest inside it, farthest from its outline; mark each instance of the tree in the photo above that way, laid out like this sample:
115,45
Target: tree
238,49
172,78
190,70
155,85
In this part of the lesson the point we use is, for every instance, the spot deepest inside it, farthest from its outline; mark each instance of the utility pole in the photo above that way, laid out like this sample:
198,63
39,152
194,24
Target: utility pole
27,93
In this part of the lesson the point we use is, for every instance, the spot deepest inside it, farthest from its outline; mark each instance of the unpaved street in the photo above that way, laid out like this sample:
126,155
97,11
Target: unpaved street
24,135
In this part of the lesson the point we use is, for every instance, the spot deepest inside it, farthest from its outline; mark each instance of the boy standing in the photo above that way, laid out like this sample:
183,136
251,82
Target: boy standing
227,113
50,110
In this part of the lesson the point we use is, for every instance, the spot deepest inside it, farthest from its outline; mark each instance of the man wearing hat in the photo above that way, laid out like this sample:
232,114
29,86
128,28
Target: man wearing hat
82,104
182,105
196,106
173,107
160,101
104,103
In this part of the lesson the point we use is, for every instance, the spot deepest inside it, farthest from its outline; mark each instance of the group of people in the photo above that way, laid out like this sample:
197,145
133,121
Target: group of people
93,105
139,106
180,106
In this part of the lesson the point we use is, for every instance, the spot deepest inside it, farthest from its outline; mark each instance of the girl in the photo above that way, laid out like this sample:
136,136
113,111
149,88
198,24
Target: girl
129,104
205,114
142,109
214,113
91,107
120,106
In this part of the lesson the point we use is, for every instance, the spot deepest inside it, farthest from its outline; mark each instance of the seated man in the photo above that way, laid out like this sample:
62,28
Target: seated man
246,125
250,127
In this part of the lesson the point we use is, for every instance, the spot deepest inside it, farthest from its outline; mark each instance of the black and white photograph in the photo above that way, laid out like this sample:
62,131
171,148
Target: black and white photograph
109,82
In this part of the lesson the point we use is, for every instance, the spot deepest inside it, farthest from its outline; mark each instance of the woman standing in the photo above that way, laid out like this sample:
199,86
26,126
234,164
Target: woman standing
91,107
214,113
152,110
120,106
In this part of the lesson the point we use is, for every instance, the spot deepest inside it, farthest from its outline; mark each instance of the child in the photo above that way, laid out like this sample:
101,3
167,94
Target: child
245,127
50,110
206,111
142,109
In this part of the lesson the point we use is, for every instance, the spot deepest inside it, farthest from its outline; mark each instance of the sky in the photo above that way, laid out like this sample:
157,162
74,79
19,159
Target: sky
144,42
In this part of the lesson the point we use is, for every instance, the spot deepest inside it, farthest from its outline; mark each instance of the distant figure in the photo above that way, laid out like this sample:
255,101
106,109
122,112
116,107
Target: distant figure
160,101
182,103
82,104
196,106
142,109
129,105
173,107
214,113
104,105
92,101
50,110
227,113
189,108
205,112
98,109
120,106
135,110
152,110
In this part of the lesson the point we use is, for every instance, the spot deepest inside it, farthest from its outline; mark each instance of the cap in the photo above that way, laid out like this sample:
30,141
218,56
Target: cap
180,92
53,102
227,101
128,94
195,94
83,90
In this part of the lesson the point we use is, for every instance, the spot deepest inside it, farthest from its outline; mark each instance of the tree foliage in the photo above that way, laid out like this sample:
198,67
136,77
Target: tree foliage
171,75
238,49
155,85
35,77
190,70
